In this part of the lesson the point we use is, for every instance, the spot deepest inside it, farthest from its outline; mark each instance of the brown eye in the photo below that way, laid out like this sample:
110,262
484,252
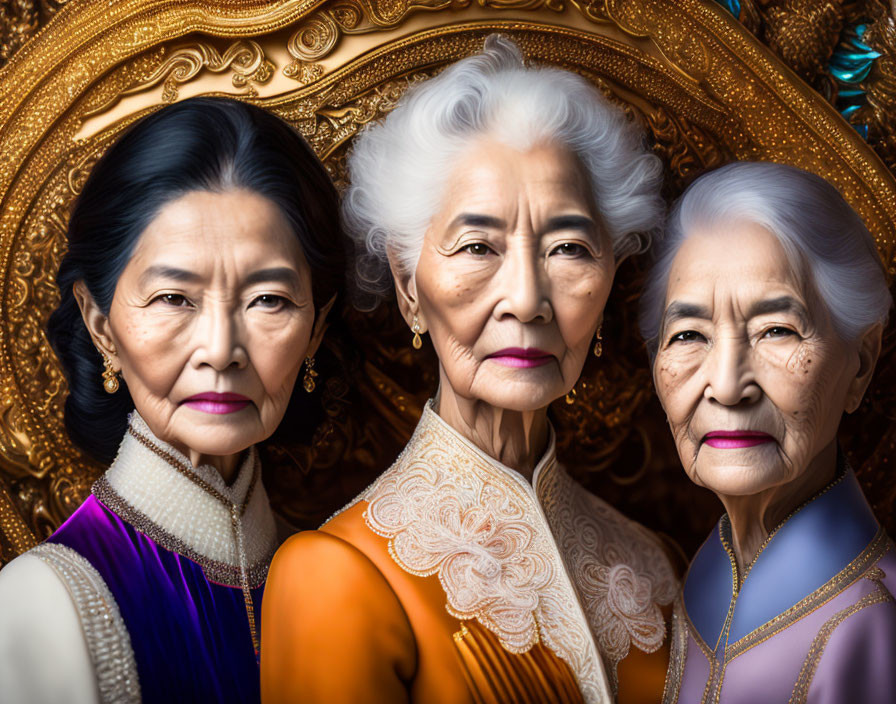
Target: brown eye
687,336
569,249
268,301
477,249
172,299
778,331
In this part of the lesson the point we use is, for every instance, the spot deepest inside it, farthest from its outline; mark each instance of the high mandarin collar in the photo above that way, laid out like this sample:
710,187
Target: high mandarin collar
190,510
807,550
431,423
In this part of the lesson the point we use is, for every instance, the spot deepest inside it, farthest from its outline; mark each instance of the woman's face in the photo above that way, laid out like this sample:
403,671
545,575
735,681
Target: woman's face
750,372
513,276
211,320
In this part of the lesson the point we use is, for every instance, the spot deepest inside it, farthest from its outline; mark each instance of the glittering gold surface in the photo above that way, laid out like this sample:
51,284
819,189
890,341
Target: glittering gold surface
705,89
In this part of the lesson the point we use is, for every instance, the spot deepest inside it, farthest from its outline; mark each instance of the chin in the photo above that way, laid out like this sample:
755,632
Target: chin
218,439
522,401
206,445
740,480
521,390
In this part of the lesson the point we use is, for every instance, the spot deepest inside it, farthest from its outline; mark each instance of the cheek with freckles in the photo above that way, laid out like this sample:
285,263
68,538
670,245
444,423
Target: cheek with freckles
277,356
799,389
152,348
675,377
578,304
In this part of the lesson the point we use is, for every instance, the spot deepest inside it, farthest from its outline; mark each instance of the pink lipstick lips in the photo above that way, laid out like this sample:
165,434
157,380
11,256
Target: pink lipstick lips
217,403
736,439
522,358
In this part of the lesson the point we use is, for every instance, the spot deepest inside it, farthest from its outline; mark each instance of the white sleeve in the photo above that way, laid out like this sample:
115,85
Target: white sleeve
44,657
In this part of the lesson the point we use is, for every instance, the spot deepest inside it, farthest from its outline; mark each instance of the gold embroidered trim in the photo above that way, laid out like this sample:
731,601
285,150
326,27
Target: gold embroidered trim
107,637
849,574
725,524
800,693
678,655
216,571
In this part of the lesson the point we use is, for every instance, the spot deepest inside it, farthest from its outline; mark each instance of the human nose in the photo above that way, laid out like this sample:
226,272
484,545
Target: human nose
524,289
730,379
220,339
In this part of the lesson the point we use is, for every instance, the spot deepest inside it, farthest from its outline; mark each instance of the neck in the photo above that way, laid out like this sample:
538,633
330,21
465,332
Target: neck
755,516
517,439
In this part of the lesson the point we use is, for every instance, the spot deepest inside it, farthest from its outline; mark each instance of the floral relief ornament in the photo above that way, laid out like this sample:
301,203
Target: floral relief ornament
509,557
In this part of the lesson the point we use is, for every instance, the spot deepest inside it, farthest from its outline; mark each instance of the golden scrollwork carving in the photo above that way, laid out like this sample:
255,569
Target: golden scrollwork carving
245,59
702,86
317,36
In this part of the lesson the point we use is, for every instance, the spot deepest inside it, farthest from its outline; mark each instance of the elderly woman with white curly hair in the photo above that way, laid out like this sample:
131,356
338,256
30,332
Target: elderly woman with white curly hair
499,200
763,317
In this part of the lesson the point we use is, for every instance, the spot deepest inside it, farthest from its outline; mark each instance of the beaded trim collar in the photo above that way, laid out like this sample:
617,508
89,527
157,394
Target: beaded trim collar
189,510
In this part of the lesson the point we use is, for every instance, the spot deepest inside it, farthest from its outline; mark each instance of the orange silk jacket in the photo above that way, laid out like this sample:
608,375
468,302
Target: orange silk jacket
453,579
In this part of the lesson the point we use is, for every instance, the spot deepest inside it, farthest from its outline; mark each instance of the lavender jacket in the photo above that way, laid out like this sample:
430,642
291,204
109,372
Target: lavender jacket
812,619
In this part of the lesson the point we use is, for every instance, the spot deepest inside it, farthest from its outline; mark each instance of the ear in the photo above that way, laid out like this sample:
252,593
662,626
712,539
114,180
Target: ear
869,350
406,292
97,323
320,327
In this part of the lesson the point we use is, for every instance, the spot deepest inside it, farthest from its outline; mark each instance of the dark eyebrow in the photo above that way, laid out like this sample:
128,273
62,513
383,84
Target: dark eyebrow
570,222
679,309
278,274
164,271
477,220
781,304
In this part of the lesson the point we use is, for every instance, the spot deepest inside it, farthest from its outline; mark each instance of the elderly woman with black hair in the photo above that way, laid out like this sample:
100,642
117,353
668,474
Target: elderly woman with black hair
502,198
203,255
763,316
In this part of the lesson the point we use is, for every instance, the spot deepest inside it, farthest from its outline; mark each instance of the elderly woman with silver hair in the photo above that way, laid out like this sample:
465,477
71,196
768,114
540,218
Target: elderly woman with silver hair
763,317
501,199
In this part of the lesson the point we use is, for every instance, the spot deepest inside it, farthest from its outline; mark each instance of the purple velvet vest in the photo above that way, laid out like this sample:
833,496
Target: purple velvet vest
190,636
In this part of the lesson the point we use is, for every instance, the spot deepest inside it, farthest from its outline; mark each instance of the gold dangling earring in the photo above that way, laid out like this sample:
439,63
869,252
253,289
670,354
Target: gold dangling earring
598,346
308,382
571,396
110,377
416,341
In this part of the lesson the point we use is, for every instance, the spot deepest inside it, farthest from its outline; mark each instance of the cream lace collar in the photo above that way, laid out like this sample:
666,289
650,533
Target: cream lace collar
190,510
552,564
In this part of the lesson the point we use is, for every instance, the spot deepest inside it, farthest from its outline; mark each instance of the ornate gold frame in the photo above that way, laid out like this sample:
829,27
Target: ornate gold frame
704,88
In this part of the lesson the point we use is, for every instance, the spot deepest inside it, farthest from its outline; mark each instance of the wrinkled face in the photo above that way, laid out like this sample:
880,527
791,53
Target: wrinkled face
513,276
211,320
751,373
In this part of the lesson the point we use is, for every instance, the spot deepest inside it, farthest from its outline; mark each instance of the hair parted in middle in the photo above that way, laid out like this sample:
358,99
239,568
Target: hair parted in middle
398,166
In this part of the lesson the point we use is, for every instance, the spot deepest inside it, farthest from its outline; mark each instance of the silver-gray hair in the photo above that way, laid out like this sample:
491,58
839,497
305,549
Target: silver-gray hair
824,239
397,167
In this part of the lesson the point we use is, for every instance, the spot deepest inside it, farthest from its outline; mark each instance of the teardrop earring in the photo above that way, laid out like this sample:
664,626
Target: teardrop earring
416,341
308,382
110,376
598,342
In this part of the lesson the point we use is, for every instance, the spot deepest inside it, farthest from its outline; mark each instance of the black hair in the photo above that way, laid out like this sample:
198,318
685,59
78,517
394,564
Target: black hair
199,144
